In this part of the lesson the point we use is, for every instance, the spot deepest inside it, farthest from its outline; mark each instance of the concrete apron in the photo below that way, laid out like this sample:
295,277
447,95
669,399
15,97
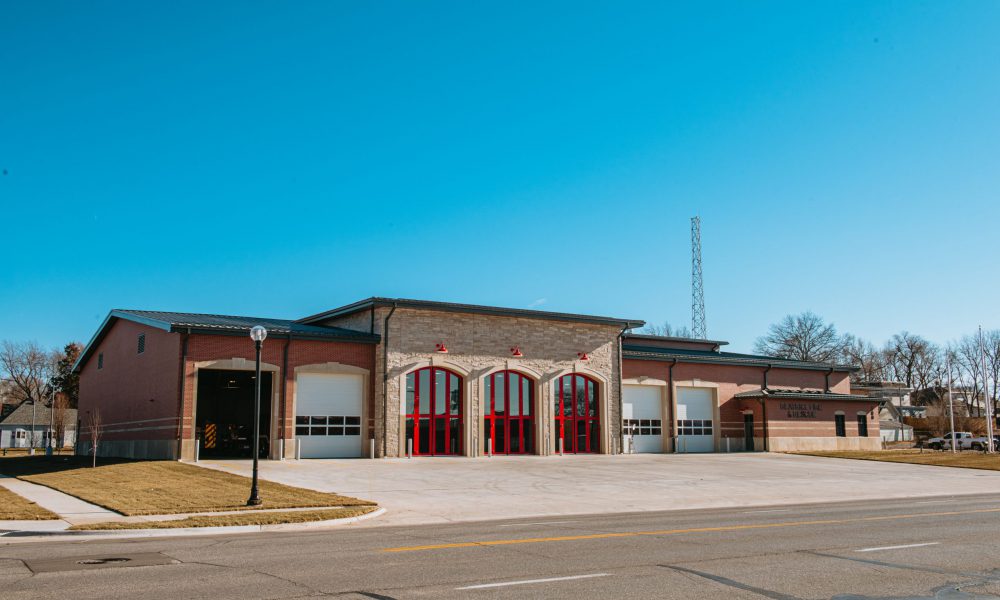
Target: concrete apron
450,489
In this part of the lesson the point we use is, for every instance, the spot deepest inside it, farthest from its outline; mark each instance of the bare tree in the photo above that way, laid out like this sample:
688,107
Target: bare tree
991,345
95,427
913,360
970,369
28,368
802,337
870,361
59,406
666,330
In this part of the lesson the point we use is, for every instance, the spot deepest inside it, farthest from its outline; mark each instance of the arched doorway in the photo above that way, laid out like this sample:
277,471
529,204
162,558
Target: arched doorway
508,413
577,422
434,411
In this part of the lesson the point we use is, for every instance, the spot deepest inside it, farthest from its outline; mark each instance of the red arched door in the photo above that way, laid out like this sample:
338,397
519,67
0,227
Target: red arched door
434,411
508,413
576,414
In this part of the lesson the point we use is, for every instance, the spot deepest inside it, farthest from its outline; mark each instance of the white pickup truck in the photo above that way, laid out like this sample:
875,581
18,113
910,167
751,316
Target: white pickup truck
963,441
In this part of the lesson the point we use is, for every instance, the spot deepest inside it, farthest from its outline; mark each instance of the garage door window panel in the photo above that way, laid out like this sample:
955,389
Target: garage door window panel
329,435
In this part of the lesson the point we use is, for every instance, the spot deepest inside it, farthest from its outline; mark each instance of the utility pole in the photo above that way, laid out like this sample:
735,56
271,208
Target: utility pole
986,394
951,408
698,329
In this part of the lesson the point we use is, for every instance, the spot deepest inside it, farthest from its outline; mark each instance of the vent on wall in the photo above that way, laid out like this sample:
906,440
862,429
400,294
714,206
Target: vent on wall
142,344
100,360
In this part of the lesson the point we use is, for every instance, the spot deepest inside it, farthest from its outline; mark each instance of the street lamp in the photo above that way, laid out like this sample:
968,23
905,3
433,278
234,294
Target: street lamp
257,334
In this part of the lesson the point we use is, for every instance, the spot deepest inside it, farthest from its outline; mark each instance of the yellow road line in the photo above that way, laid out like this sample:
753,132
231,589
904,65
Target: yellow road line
625,534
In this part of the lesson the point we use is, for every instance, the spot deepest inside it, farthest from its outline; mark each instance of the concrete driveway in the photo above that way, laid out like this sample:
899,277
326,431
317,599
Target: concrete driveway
448,489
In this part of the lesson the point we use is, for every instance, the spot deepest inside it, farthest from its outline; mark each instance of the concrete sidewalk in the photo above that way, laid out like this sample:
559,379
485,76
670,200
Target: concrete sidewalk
447,489
71,510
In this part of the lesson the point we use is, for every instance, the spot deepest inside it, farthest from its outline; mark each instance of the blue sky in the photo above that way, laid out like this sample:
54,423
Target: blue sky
278,159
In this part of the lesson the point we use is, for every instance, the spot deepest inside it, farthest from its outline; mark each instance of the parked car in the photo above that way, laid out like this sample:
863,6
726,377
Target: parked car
962,440
979,443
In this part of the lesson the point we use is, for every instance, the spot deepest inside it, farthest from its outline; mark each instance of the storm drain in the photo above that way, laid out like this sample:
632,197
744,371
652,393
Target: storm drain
85,563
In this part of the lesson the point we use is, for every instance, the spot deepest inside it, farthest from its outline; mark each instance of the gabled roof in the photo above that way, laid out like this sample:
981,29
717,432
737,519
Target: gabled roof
724,358
175,322
376,302
791,394
22,416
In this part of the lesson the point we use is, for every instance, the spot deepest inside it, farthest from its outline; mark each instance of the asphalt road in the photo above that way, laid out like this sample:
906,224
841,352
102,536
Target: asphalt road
945,548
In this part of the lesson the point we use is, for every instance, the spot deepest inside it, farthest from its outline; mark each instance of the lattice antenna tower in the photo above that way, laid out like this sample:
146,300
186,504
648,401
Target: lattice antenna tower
697,285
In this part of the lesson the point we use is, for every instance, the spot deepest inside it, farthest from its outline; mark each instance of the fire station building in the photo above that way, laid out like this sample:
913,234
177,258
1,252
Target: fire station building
388,377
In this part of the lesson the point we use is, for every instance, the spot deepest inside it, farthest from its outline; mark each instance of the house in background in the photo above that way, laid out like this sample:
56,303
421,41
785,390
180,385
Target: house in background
895,402
16,427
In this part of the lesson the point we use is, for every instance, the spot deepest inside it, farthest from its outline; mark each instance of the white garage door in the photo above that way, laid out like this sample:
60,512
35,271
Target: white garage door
695,414
642,415
328,415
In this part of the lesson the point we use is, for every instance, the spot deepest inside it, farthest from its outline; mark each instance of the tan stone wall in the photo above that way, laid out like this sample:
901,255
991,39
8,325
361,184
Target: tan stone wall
479,345
804,444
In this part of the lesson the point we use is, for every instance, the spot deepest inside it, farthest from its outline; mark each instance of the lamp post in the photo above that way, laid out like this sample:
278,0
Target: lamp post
257,334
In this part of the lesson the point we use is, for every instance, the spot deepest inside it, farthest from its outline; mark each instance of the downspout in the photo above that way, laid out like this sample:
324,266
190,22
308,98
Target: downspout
385,380
180,391
826,386
621,392
763,410
284,397
670,401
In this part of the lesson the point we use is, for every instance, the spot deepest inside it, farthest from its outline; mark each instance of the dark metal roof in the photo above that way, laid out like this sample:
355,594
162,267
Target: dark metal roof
22,416
724,358
667,338
223,325
369,303
789,394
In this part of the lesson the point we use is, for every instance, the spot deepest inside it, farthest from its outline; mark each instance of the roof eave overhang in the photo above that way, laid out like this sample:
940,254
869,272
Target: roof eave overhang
805,396
370,303
777,364
366,338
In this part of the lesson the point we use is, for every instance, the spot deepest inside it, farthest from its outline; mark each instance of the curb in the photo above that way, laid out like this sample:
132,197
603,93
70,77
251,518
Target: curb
187,531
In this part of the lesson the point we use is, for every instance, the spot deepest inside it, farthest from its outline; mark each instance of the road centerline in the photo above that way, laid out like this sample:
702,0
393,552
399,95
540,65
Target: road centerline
664,532
483,586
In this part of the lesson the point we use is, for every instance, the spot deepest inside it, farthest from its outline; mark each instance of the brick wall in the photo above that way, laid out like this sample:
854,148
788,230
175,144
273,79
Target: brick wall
136,394
210,348
730,380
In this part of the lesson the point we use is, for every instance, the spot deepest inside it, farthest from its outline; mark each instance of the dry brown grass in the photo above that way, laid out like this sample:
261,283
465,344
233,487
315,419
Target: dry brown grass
967,459
268,518
160,487
16,508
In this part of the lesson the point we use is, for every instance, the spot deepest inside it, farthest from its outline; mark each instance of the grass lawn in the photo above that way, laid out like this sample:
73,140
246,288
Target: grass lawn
269,518
159,487
967,459
16,508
